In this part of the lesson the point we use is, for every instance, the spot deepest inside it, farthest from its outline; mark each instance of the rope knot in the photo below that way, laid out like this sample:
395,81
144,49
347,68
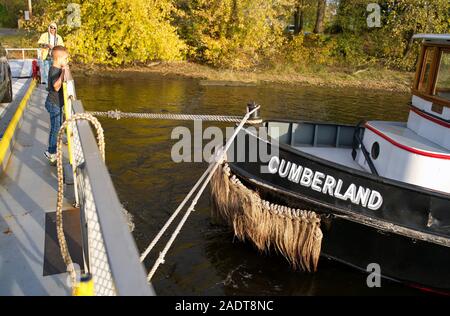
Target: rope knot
115,114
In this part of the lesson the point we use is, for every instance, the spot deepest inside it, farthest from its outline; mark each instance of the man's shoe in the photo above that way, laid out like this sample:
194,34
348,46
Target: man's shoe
50,157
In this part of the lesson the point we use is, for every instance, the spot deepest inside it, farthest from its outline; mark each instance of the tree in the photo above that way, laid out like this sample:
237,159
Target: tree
232,33
403,19
320,16
9,12
119,32
299,19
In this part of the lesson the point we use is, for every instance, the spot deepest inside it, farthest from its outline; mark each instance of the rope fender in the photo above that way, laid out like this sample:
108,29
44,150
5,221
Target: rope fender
294,233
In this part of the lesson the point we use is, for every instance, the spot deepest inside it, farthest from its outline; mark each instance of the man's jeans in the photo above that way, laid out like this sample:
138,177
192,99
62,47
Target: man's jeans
55,123
44,65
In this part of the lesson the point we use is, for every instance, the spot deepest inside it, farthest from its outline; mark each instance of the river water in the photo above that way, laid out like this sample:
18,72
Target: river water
205,260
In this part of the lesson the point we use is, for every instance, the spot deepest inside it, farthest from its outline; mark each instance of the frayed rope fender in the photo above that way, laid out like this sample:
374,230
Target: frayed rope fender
294,233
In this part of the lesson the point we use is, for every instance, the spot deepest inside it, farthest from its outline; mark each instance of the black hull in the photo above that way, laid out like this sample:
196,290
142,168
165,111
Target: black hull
412,262
407,235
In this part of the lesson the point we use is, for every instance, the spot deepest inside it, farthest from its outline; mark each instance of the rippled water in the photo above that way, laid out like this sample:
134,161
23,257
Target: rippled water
205,260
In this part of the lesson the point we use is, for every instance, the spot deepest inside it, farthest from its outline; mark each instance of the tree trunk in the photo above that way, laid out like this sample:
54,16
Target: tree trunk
321,6
231,27
409,42
298,20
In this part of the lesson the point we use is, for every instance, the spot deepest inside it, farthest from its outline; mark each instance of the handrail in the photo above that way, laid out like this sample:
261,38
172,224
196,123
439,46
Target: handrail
100,207
69,95
23,50
357,142
127,272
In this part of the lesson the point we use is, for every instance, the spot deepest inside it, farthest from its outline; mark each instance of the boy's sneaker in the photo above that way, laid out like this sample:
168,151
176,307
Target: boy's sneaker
50,157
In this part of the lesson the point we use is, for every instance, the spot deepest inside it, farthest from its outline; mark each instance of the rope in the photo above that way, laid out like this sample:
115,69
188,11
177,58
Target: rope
210,172
116,114
59,203
172,217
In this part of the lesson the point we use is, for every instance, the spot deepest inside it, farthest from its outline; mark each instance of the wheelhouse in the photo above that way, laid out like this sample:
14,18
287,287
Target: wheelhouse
432,80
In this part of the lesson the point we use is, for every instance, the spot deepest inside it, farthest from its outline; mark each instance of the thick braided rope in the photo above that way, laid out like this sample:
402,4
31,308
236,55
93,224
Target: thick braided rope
59,203
116,114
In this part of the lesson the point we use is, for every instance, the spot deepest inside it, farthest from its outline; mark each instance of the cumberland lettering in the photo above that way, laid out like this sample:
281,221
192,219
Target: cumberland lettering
325,184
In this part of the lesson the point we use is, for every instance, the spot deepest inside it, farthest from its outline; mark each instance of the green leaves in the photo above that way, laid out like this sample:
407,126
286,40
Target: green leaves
391,44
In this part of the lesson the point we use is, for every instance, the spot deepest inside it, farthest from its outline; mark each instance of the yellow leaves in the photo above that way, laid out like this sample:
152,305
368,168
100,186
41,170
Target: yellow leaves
126,31
235,33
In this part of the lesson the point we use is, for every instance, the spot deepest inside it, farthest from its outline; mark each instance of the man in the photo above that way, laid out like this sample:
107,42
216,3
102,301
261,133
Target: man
47,42
55,98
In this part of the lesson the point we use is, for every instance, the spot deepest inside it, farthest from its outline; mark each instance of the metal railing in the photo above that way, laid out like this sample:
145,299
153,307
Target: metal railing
110,253
23,50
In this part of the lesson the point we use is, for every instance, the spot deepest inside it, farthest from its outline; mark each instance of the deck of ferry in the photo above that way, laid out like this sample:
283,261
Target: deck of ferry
29,255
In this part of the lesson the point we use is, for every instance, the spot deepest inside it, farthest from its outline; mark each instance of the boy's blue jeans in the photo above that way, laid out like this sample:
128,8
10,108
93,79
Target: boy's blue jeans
45,67
55,123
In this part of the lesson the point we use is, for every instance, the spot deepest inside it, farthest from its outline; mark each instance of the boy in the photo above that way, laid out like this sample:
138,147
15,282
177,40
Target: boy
55,98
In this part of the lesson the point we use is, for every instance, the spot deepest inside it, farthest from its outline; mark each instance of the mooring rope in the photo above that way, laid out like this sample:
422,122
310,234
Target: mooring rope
59,203
209,174
172,217
116,114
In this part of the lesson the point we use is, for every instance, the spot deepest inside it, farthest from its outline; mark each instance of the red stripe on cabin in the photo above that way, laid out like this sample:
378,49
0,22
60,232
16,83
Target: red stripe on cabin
407,148
429,117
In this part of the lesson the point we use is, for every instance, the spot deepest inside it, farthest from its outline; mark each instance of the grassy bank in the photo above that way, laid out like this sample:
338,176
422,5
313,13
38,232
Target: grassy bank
17,38
375,78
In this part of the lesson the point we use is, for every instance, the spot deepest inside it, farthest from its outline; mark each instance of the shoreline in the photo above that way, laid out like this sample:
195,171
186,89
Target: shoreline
370,78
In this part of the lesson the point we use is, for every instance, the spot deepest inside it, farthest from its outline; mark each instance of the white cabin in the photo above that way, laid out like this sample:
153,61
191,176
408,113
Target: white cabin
418,151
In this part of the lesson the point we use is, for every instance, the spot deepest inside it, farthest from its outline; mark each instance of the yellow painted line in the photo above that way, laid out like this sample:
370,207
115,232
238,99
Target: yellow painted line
68,114
5,142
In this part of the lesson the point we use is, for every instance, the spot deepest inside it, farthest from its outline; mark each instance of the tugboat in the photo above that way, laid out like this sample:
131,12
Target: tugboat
374,193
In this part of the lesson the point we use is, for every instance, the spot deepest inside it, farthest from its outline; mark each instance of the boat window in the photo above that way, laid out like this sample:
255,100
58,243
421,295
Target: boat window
426,70
442,88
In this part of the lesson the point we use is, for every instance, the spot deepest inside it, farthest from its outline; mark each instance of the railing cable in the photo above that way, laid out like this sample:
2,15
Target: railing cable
116,114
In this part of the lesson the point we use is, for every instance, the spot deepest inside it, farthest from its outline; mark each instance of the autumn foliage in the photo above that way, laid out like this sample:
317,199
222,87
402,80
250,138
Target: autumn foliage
245,34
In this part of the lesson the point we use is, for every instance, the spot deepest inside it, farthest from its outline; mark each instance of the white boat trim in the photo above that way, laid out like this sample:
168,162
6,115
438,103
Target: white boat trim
432,37
438,151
